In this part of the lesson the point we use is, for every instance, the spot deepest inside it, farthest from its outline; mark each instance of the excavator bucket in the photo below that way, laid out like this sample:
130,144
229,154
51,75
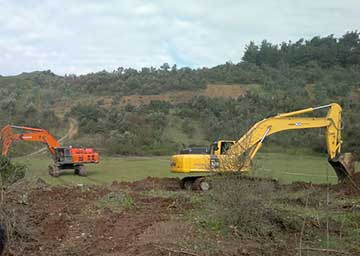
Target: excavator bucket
344,165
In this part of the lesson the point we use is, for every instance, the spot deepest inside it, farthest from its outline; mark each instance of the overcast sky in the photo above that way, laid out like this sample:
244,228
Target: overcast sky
82,36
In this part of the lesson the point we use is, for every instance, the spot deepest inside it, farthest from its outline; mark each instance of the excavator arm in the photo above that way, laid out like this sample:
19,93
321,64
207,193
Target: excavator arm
254,138
252,141
7,136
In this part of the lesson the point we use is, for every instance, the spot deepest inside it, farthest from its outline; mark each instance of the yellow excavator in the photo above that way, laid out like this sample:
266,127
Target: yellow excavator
237,156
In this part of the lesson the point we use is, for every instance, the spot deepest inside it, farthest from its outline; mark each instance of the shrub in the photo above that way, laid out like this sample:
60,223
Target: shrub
10,172
244,205
116,201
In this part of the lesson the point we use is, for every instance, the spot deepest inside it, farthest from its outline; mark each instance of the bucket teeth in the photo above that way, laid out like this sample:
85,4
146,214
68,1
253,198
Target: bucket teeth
344,165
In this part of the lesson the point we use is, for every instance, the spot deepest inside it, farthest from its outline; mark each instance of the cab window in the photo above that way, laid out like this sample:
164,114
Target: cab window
225,146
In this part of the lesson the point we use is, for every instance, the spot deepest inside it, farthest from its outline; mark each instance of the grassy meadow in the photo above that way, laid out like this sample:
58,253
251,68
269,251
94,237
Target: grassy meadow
283,166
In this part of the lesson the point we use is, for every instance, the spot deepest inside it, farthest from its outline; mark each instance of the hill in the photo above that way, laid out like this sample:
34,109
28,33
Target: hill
160,110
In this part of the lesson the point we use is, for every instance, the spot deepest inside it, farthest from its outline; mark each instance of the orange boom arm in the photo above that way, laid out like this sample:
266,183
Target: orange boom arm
7,136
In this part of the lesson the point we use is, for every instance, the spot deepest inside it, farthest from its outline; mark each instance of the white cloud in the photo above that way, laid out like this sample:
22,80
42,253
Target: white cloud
146,9
87,36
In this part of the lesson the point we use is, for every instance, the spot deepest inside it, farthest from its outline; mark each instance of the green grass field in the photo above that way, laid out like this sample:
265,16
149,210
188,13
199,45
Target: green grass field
285,167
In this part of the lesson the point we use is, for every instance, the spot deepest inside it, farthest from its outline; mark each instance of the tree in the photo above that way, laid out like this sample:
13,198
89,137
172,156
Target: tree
165,67
251,53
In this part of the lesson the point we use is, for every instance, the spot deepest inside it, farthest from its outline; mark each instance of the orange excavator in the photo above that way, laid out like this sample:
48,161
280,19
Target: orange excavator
64,157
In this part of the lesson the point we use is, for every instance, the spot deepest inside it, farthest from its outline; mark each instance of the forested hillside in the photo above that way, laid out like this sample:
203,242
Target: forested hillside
275,78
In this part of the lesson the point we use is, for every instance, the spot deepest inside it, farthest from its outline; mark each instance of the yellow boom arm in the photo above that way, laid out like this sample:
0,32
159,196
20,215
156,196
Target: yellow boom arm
252,141
254,138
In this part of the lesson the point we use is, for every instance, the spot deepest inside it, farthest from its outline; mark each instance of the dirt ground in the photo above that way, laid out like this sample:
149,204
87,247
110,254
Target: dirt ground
122,218
70,220
350,187
211,90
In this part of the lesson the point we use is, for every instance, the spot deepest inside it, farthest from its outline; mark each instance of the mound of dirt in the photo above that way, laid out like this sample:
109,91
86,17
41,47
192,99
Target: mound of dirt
151,183
351,186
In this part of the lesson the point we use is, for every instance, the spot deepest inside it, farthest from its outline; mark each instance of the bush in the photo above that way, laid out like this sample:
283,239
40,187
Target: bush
10,172
244,205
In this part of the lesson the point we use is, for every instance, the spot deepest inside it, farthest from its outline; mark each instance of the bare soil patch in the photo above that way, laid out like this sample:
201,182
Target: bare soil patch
58,220
212,90
69,220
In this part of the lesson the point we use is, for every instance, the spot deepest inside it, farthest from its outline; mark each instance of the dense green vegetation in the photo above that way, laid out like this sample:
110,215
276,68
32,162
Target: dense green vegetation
128,130
264,210
325,52
291,76
10,172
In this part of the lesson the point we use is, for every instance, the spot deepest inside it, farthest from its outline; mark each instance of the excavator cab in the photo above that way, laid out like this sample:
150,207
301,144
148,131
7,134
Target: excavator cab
220,147
69,156
72,158
63,156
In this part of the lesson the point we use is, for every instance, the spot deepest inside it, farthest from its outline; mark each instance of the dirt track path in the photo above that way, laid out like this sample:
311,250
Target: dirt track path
72,131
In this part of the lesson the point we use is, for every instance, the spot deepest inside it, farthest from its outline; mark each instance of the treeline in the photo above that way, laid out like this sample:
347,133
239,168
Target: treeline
325,51
128,81
147,81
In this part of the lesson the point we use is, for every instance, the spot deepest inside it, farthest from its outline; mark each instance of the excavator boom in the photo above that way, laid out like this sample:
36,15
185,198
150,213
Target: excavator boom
34,134
254,138
239,155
